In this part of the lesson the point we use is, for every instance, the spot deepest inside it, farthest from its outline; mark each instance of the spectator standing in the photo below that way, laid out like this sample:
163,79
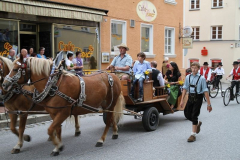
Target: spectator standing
41,53
11,55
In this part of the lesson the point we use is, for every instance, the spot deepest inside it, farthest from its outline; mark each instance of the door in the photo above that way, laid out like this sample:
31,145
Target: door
27,41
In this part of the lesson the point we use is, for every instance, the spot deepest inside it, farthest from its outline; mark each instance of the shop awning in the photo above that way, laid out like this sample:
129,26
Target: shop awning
52,9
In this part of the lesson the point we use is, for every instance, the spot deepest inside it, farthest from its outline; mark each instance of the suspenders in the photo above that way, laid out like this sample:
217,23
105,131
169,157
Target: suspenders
193,96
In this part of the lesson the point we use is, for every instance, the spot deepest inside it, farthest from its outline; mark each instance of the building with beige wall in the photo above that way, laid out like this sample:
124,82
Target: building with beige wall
96,27
216,26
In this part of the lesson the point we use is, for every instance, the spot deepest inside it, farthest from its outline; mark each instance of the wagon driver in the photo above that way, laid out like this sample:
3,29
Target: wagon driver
122,63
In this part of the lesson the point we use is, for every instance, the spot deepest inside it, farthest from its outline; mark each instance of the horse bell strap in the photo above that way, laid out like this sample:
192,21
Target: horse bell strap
82,96
110,81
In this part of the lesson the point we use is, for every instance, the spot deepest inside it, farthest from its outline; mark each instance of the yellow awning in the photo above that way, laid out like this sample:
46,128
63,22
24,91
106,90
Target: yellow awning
51,9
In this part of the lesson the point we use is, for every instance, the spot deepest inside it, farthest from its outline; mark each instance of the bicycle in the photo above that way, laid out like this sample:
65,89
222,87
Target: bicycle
213,89
226,98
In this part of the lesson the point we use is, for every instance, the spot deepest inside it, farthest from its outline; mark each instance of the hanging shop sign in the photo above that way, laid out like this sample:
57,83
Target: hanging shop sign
71,47
146,11
187,43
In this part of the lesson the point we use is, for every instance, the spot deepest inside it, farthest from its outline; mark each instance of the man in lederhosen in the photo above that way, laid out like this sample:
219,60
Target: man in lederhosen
196,86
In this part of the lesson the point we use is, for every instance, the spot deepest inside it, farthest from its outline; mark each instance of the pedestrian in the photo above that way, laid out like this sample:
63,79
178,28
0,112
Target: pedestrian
122,63
139,69
172,77
196,86
165,66
235,72
219,71
157,76
205,71
92,63
41,53
78,63
11,55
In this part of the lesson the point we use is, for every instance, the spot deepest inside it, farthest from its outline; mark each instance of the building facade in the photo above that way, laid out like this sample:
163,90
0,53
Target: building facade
216,32
95,28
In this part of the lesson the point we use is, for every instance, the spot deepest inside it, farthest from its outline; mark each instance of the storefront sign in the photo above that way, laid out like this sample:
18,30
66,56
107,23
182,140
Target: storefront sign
146,11
204,51
187,43
7,47
71,47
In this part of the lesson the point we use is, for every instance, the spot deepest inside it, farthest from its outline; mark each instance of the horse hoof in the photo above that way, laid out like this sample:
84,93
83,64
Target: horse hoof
114,136
27,138
15,151
49,139
99,144
77,134
61,148
54,153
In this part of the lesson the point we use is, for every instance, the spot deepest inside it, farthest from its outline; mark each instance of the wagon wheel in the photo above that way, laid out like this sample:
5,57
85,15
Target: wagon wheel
150,119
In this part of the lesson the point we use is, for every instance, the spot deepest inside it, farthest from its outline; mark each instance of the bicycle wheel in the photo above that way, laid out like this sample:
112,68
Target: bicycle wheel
213,92
238,98
220,86
226,98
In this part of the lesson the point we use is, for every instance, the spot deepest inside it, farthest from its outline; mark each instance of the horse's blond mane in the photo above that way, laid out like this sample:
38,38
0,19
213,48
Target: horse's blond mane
40,65
8,62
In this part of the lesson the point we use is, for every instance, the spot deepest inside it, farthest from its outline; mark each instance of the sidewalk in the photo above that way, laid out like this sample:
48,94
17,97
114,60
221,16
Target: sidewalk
32,119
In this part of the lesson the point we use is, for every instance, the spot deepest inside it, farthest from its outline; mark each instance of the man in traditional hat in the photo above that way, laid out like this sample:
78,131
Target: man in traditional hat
165,66
205,71
235,72
219,74
122,63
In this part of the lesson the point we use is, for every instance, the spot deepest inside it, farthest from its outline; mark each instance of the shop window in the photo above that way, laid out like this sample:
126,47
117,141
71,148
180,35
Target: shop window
8,36
216,33
118,33
169,41
195,4
217,3
215,63
192,60
73,38
196,33
146,39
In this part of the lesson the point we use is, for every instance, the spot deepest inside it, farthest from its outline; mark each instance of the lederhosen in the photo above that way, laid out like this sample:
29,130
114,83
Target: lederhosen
194,103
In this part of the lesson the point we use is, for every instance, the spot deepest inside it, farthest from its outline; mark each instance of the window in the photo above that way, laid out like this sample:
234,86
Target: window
239,32
192,60
169,40
215,63
217,3
170,2
195,33
216,33
195,4
118,33
147,38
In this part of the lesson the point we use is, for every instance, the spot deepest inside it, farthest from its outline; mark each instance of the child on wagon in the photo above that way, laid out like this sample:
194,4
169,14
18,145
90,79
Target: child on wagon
139,68
196,86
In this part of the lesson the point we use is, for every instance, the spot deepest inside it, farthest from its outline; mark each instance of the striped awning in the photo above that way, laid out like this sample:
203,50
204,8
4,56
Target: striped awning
51,9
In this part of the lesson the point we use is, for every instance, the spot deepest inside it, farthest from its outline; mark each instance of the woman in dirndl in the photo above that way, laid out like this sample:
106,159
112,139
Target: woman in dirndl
173,76
78,63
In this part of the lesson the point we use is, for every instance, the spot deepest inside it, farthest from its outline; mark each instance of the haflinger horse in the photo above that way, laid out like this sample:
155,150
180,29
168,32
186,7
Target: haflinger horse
98,94
18,102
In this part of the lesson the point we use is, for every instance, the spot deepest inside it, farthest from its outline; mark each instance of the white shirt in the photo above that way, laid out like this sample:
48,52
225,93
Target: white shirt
160,78
209,73
68,62
231,73
219,71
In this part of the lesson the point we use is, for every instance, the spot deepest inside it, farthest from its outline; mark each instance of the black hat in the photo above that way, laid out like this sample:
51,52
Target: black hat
235,62
220,64
205,63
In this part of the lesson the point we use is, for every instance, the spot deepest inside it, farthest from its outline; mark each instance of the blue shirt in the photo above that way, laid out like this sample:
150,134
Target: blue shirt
39,56
201,87
140,68
122,62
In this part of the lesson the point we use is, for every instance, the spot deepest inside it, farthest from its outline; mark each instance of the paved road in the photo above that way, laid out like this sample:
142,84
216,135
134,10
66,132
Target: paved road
218,140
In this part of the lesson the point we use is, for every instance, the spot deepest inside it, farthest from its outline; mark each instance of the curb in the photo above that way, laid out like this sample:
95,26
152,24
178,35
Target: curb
32,119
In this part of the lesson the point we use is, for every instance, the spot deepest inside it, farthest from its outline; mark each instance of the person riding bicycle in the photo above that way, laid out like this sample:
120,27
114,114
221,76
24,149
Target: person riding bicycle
205,71
236,77
219,71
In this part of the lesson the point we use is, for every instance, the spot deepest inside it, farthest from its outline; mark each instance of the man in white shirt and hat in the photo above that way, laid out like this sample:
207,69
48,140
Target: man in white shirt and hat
122,63
219,71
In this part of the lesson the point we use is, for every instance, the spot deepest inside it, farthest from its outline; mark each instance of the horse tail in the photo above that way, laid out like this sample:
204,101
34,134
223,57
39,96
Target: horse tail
118,109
